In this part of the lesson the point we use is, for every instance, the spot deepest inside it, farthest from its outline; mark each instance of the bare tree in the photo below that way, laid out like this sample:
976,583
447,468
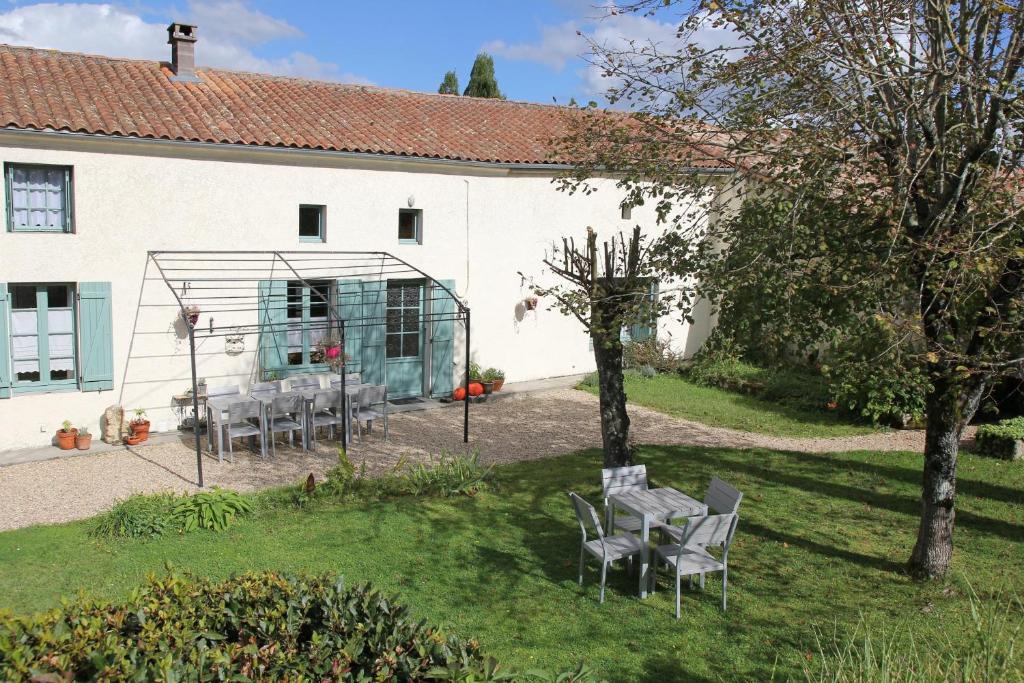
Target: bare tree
608,289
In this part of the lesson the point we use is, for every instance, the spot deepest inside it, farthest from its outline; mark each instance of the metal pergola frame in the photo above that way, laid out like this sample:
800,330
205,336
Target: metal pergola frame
196,277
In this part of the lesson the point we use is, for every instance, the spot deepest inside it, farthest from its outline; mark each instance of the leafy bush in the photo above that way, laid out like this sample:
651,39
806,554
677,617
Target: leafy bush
449,475
264,626
869,379
138,516
653,353
1000,440
981,647
798,387
215,509
726,372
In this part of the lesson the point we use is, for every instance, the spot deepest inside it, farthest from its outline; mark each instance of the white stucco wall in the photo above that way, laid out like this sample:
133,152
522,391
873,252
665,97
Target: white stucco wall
481,227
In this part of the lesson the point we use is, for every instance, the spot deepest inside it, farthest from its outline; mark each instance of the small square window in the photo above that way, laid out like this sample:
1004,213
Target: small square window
38,198
627,212
311,223
410,226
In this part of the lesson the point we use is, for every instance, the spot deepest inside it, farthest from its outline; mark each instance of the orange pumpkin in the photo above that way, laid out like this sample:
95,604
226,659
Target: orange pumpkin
476,388
459,394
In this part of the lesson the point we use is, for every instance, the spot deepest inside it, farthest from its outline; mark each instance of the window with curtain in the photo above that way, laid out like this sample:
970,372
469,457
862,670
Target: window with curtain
42,329
308,320
38,198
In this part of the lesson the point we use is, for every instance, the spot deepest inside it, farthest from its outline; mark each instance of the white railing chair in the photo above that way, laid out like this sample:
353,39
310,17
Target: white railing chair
690,556
327,411
622,480
607,549
286,415
240,424
372,404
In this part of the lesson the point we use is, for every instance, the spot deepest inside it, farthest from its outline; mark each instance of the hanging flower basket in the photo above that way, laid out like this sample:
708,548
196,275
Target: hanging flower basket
328,350
531,303
191,315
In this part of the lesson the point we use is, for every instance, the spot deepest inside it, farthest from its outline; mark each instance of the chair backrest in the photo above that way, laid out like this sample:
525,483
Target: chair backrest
621,479
710,530
243,410
371,396
586,515
304,383
226,390
353,378
327,399
266,387
722,498
286,404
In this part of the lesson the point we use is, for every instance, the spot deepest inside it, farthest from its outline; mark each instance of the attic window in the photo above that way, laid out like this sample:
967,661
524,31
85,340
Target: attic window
410,226
627,212
311,223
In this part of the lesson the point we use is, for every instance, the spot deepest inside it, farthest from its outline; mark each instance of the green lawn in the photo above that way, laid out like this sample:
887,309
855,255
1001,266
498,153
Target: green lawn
720,408
821,541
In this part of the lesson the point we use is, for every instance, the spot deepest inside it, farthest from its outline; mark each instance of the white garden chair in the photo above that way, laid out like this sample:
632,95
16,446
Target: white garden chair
620,480
690,556
372,404
721,499
286,415
240,424
605,548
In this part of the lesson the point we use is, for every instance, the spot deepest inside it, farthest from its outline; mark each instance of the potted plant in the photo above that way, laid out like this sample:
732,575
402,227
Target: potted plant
495,377
530,303
191,314
139,426
66,436
328,350
84,439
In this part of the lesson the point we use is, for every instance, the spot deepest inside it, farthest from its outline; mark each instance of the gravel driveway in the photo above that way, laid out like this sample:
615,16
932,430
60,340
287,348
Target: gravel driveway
518,427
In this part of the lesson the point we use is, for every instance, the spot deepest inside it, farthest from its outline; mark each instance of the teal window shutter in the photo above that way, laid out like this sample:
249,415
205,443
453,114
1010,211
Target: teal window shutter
273,322
95,316
374,312
442,339
350,309
643,332
5,350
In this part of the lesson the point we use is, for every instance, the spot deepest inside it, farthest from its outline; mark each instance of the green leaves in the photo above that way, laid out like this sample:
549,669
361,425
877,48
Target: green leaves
215,509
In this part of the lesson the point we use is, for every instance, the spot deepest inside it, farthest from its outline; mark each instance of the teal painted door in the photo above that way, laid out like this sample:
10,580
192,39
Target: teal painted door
404,338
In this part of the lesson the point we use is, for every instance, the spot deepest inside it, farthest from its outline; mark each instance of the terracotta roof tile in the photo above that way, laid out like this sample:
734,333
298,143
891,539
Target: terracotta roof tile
48,89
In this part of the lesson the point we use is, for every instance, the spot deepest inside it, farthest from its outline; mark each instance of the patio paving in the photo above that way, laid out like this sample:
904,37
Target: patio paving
522,426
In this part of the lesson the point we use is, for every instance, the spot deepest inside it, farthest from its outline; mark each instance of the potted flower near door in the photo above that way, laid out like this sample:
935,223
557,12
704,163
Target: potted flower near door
84,439
139,426
66,436
495,376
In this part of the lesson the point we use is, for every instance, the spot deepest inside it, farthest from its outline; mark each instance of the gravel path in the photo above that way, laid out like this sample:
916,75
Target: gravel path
518,427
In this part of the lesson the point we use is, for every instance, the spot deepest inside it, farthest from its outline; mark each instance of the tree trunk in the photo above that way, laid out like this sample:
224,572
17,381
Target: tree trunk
614,420
949,408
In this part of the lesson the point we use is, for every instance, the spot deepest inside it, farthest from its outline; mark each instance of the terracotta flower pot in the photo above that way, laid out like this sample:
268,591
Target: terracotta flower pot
134,440
140,430
498,383
83,442
476,388
459,394
66,440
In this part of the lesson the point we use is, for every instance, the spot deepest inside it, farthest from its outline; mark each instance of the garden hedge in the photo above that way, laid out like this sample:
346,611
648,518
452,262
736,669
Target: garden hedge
1004,439
255,626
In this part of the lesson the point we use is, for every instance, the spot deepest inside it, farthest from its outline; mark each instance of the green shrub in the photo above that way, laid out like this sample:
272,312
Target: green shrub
448,475
255,626
1001,440
650,353
882,390
798,387
979,647
726,372
215,509
138,516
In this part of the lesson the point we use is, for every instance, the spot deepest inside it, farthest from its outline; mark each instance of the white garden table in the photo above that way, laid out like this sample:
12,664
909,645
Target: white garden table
654,505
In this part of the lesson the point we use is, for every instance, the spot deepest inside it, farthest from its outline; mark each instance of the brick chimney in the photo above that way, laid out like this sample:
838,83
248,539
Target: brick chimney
182,39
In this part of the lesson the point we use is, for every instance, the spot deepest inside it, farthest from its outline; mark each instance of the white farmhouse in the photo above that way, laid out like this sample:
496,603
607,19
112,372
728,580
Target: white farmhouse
106,160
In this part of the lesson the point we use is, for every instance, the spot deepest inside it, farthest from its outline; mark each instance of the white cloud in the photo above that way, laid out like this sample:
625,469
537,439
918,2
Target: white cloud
229,32
566,43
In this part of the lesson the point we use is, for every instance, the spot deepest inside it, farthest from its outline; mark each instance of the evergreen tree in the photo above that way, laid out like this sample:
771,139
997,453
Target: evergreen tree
450,84
481,80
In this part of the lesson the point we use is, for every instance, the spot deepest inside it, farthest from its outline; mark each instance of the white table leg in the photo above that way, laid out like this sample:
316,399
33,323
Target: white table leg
645,538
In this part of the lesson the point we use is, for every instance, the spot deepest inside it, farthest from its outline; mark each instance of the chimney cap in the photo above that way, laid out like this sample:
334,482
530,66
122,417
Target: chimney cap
181,32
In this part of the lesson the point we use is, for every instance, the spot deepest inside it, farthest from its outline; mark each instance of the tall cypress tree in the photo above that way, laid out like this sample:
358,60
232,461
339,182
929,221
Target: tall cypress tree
481,80
450,84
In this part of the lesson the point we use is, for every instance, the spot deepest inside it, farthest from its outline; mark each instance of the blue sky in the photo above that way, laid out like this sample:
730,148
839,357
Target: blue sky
402,43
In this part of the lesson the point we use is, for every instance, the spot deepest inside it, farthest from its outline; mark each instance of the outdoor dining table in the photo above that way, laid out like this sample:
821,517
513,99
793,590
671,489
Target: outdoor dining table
653,505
